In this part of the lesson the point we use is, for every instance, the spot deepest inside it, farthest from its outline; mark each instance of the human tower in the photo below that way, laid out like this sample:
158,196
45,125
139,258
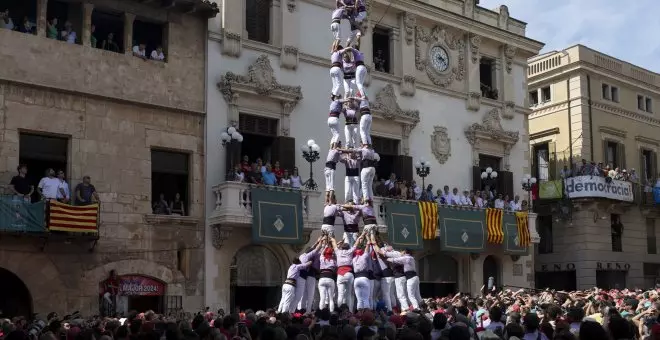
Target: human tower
360,270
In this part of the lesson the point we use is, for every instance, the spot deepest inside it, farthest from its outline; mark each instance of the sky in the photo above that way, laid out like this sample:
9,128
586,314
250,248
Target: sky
624,29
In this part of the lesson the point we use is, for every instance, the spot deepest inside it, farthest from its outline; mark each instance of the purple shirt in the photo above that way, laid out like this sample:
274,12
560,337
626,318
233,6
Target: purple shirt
330,263
365,210
364,103
361,263
294,270
344,257
357,55
350,217
349,67
331,210
367,153
406,260
337,14
349,114
333,155
335,57
335,106
306,257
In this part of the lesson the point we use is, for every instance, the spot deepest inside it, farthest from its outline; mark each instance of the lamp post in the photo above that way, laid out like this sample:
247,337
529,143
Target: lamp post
488,175
527,183
423,169
230,139
310,152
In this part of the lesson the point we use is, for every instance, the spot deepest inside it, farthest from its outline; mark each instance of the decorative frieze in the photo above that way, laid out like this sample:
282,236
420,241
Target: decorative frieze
436,57
489,132
289,57
475,43
231,44
509,54
408,86
474,101
509,110
409,23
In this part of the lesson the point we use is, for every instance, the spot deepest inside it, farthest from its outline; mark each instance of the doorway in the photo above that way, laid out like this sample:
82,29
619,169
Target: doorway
492,269
438,275
256,278
39,153
15,298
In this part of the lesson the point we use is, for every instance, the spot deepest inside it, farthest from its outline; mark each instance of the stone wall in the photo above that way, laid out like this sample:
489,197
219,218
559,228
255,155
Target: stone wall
178,83
111,142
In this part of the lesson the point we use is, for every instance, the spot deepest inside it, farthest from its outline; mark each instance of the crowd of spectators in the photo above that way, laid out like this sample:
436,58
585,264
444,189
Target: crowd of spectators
256,172
499,314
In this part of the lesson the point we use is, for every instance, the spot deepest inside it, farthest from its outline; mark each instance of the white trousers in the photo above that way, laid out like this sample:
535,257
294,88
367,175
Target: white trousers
386,291
335,28
287,300
362,292
329,229
351,134
329,179
352,189
349,90
401,292
367,181
365,128
350,238
337,76
375,292
333,124
327,293
360,76
345,290
414,296
301,288
307,300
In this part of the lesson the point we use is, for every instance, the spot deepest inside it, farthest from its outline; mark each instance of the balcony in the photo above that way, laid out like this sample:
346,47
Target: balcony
48,221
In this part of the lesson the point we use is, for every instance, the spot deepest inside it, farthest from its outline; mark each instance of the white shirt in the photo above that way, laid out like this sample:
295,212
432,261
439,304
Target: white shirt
455,199
499,204
296,182
418,192
239,176
480,202
8,25
65,187
136,50
465,200
49,187
514,206
70,37
390,184
157,56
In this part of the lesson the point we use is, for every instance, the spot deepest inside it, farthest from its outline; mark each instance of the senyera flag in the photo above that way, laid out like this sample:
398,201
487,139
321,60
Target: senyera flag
73,219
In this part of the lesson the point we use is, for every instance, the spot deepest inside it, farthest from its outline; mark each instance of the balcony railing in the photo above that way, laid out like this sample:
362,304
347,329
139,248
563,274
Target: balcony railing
233,204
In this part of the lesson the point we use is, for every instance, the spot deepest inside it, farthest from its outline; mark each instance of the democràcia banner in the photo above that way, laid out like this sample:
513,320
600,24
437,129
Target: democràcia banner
595,186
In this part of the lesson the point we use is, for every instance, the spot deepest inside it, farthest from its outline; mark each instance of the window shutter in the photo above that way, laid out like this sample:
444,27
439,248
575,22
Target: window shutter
476,178
605,160
653,174
552,160
284,151
642,167
505,183
403,168
620,156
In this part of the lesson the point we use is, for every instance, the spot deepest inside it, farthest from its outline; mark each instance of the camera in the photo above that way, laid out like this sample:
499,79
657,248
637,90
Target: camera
36,327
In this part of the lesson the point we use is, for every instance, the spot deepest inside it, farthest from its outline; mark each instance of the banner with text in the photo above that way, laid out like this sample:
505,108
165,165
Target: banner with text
277,216
136,285
20,216
594,186
404,224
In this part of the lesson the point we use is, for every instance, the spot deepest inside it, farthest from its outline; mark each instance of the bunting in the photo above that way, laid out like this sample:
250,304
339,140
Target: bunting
428,211
76,219
494,224
523,230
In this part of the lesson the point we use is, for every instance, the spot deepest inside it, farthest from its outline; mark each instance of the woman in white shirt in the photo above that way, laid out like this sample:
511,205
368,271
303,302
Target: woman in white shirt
499,203
296,182
286,179
239,176
157,54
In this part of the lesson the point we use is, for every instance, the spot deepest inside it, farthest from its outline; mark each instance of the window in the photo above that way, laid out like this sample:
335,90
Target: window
617,233
641,103
170,182
259,135
257,20
606,92
108,30
487,78
612,154
545,94
651,244
545,233
534,98
381,49
66,17
649,105
41,153
23,15
648,167
540,165
388,150
183,260
615,94
151,35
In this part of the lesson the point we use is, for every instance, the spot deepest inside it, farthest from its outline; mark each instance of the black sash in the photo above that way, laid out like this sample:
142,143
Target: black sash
351,228
349,75
352,172
329,220
336,64
328,273
410,274
369,220
361,274
365,111
398,271
334,114
359,63
291,282
368,163
387,272
331,165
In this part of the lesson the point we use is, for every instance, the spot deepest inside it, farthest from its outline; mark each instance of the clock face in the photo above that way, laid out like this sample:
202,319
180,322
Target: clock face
439,59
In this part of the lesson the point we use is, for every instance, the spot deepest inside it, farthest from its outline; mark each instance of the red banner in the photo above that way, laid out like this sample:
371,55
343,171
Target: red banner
137,285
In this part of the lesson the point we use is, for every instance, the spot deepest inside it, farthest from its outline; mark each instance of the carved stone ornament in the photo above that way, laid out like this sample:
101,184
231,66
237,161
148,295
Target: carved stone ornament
409,22
260,80
386,106
220,234
475,43
491,129
407,87
440,144
291,5
503,20
509,110
468,8
289,57
440,36
474,101
509,54
231,44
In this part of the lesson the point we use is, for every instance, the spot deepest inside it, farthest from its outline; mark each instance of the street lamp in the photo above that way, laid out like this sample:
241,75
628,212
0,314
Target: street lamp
527,183
230,139
310,153
423,169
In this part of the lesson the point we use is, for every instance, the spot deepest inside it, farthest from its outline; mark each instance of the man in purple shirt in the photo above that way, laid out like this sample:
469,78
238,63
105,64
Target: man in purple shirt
287,303
344,254
305,280
412,280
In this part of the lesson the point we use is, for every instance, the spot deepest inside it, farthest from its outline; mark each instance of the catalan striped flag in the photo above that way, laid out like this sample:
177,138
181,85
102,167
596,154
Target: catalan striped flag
428,211
523,229
73,219
494,224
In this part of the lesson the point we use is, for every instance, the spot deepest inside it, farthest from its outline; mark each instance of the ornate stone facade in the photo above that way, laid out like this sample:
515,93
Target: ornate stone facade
425,40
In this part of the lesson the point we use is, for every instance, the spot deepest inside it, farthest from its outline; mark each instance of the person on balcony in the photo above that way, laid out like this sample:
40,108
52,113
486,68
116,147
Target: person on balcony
63,191
48,186
20,185
86,192
296,181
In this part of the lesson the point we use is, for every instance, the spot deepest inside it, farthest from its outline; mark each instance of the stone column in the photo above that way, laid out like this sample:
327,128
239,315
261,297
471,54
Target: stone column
42,17
275,23
88,9
367,43
129,18
396,61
